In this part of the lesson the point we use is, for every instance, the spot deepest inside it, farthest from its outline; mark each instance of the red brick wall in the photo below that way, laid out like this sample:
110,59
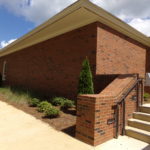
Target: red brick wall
118,54
147,88
53,66
131,106
57,62
148,60
101,81
94,111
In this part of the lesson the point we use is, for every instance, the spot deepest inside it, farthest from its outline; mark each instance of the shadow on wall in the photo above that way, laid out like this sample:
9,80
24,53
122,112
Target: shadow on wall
102,81
0,79
147,148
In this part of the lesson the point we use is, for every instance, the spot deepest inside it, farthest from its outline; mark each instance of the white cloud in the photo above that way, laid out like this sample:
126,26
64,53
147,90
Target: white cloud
38,11
5,43
128,8
35,11
143,25
135,12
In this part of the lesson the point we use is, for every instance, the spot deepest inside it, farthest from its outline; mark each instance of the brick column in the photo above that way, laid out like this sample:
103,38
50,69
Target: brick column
95,119
85,119
96,115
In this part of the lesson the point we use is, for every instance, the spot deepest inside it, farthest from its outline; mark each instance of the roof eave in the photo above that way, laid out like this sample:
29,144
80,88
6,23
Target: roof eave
117,24
102,16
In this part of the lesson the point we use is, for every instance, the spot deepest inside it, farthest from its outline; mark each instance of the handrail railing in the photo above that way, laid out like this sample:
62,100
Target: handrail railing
122,101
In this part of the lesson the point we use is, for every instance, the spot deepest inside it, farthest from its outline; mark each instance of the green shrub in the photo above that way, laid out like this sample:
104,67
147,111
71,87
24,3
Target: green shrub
85,85
146,95
58,101
43,106
33,102
51,112
68,104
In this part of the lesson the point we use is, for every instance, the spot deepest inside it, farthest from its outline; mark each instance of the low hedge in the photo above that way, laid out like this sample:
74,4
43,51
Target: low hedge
51,112
63,102
33,102
43,106
58,101
68,104
146,95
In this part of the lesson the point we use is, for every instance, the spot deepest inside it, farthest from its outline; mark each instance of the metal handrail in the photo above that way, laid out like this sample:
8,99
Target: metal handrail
122,101
127,93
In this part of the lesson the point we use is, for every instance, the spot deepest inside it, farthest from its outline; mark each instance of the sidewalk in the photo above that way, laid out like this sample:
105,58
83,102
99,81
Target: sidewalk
21,131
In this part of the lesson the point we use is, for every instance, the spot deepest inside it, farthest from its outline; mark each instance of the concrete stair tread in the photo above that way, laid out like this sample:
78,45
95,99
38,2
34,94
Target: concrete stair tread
144,108
141,116
138,130
146,105
142,113
140,121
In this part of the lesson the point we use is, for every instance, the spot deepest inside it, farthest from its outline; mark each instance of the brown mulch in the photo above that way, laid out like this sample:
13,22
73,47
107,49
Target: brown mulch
65,122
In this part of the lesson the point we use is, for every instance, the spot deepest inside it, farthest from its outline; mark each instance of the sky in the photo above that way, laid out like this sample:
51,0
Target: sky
18,17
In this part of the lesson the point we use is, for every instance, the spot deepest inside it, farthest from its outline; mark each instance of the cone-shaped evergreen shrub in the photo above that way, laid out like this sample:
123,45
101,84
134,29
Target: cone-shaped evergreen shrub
85,80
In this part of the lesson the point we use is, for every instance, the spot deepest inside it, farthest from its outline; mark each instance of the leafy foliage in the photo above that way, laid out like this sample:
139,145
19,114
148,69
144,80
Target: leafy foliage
33,102
68,104
51,112
85,80
146,95
58,101
43,106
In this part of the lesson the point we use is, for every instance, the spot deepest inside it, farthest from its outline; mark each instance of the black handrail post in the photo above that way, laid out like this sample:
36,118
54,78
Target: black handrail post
139,86
117,120
124,115
137,92
142,90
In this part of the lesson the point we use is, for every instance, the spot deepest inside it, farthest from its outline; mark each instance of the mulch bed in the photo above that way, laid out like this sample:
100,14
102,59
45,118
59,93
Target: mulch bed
65,122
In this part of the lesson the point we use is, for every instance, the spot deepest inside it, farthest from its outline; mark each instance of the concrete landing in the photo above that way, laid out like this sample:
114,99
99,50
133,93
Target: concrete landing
124,143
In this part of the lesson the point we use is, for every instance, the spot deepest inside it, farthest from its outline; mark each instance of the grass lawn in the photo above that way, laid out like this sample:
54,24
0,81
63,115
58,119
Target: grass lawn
15,95
19,98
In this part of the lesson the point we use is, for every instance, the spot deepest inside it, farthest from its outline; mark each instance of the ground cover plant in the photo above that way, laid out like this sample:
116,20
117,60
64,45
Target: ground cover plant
33,102
146,95
43,106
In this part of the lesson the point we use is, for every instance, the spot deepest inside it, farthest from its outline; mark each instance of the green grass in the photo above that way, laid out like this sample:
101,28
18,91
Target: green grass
23,96
32,99
15,94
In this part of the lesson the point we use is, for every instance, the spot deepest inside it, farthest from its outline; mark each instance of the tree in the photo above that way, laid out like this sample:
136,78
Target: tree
85,80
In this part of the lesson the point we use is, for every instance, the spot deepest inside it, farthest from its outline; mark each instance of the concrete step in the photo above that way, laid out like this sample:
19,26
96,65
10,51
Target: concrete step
140,124
145,109
141,116
138,134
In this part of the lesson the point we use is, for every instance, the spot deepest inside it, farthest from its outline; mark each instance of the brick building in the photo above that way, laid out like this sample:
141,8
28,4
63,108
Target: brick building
49,58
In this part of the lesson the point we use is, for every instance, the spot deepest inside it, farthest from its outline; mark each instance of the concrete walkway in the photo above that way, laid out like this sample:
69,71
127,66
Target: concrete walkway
21,131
